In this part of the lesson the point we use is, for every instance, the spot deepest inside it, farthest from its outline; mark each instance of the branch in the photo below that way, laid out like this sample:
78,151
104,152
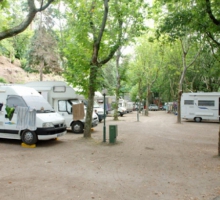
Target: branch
118,42
97,41
211,16
92,23
212,38
29,18
196,56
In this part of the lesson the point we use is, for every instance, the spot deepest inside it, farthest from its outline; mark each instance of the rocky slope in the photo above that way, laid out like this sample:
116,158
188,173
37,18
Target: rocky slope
13,73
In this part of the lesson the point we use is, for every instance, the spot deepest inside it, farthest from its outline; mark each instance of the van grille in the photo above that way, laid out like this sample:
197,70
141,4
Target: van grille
58,125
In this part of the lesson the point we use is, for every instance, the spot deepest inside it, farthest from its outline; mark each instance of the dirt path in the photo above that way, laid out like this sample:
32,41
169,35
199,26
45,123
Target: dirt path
153,159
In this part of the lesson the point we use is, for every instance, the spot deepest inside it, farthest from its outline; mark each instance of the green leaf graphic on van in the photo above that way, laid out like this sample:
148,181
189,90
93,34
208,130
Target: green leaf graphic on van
10,112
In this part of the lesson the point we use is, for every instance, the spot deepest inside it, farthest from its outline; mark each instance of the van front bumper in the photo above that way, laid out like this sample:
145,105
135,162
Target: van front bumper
95,123
50,133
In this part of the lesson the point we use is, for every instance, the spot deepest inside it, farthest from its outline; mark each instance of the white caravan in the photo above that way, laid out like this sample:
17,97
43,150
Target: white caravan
62,97
25,115
200,106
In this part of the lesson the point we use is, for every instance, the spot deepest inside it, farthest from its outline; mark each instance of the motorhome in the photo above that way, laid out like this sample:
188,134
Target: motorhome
96,107
121,105
130,106
63,97
25,115
200,106
108,104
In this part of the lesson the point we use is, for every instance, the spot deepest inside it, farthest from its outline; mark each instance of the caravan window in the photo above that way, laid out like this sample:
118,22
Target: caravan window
206,103
188,102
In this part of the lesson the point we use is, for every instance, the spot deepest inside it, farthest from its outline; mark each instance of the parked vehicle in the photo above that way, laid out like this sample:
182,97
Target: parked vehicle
63,97
200,106
25,115
130,106
138,106
97,109
164,107
122,111
122,107
110,103
153,107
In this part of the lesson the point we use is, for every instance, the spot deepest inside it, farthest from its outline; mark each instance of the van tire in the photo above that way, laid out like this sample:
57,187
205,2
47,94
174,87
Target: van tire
29,137
197,119
77,127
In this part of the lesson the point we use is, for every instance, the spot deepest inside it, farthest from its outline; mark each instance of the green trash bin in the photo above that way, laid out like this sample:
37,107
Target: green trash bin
113,133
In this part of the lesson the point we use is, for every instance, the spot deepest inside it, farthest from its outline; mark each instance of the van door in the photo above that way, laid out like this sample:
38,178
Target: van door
219,107
2,114
64,108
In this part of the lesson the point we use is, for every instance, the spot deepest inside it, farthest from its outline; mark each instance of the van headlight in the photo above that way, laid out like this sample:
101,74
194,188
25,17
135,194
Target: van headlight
47,125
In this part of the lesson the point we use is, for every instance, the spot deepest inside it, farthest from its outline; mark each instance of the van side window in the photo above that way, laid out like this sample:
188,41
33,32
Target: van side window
188,102
62,106
69,107
13,101
206,103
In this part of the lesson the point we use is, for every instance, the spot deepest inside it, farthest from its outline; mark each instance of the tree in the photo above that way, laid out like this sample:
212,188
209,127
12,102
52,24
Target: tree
147,63
32,11
179,25
43,55
98,29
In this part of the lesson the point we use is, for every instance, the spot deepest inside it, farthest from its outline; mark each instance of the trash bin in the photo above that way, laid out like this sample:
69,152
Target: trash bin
113,133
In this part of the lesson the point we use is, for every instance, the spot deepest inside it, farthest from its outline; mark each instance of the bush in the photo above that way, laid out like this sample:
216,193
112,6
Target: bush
2,80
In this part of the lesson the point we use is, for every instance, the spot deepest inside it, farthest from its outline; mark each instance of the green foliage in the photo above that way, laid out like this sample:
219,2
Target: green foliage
177,19
84,26
43,55
2,80
6,48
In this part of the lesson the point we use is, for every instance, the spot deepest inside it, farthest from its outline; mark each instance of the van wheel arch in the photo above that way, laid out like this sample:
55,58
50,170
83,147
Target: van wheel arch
29,137
77,127
197,119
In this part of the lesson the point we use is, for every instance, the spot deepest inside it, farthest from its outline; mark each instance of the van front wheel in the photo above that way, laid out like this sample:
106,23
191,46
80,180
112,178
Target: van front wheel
29,137
77,127
198,119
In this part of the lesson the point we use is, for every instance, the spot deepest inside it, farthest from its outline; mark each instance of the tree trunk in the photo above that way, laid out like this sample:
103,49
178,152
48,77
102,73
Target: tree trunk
116,107
118,84
41,70
89,110
147,101
178,106
219,142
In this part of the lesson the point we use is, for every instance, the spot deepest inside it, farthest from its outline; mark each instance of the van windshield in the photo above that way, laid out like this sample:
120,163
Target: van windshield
38,103
96,105
34,102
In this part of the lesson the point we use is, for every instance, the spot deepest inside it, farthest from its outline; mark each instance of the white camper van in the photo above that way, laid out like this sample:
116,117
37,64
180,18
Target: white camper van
121,105
96,107
130,106
25,115
200,106
62,97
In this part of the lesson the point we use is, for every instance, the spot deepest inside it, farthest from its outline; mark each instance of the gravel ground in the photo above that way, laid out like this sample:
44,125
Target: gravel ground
153,159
